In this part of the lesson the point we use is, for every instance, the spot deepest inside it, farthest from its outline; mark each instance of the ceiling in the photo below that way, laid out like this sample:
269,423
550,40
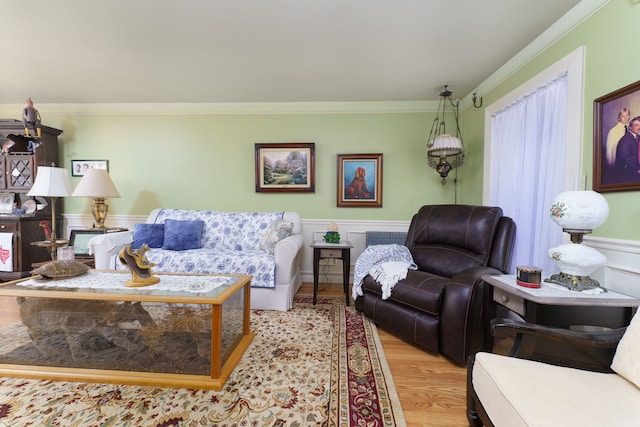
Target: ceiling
223,51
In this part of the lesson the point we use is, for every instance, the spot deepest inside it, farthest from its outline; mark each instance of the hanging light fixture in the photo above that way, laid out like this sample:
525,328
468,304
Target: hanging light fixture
445,151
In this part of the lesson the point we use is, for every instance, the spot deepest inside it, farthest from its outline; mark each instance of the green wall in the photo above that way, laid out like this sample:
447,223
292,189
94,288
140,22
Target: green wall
610,63
206,161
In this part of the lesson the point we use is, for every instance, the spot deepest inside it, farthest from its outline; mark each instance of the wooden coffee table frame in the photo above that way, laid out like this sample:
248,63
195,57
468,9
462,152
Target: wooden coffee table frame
221,367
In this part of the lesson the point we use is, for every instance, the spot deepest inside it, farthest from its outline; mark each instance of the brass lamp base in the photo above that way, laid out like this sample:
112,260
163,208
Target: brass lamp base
574,283
99,210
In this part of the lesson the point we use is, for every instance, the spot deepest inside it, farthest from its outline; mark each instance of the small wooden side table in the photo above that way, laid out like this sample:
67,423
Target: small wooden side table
342,251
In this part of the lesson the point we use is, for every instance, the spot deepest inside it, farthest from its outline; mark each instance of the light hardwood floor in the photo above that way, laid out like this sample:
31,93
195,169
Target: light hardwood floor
431,389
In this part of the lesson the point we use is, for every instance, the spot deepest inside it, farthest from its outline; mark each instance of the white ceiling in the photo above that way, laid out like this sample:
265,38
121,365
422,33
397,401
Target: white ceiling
210,51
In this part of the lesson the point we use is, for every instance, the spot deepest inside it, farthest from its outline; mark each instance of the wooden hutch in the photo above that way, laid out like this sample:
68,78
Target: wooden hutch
18,170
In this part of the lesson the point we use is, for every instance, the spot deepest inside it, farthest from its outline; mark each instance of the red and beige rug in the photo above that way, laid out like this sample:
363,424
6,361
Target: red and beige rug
319,365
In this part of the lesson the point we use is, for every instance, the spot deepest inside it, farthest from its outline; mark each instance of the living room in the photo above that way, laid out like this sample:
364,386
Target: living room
201,155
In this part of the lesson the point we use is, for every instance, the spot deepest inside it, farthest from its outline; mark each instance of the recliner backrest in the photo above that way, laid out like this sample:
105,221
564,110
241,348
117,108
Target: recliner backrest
448,239
503,244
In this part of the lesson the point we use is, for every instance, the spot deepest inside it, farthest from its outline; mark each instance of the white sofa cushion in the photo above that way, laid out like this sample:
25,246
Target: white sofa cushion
517,392
626,361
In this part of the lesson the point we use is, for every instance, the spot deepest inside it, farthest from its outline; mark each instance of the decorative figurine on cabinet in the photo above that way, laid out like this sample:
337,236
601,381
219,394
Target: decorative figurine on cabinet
31,117
20,144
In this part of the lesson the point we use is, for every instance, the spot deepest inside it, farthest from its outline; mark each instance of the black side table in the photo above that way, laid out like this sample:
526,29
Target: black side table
342,251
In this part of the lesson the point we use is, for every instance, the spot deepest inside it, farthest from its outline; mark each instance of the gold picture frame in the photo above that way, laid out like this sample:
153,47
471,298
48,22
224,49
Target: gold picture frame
360,180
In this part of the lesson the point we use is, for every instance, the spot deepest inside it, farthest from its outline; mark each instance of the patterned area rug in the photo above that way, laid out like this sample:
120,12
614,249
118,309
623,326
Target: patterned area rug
319,365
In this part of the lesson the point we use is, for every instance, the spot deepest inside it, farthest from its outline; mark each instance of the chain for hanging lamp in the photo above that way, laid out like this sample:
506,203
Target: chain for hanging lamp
445,151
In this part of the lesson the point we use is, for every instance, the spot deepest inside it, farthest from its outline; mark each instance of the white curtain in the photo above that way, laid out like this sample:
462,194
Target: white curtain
528,169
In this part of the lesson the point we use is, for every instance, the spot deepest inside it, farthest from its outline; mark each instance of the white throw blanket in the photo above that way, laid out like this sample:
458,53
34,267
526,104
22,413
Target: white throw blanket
387,264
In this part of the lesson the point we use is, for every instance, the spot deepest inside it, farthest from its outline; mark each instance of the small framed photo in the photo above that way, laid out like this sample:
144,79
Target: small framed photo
79,167
79,240
360,180
285,167
616,121
7,200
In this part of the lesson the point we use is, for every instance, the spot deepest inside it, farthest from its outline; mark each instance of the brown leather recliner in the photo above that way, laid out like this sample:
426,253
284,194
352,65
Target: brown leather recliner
442,305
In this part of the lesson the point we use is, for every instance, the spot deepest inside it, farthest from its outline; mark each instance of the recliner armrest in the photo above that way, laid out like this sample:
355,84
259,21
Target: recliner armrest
589,350
474,275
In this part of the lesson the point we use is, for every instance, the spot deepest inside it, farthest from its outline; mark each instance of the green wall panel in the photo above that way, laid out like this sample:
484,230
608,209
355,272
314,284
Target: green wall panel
206,161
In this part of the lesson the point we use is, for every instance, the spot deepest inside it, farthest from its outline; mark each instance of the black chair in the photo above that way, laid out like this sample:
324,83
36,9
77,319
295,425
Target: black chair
588,351
442,306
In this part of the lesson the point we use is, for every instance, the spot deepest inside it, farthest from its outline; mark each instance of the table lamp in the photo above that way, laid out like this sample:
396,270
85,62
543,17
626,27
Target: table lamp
577,212
51,182
97,184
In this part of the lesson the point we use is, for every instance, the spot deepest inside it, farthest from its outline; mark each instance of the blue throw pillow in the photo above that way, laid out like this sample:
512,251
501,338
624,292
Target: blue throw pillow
180,235
151,234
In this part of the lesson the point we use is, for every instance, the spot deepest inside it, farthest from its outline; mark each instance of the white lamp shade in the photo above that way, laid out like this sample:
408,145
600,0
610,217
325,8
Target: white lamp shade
579,210
444,145
96,183
51,182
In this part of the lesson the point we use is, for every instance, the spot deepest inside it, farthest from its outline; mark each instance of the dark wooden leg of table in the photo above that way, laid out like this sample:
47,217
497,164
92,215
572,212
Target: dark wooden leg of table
316,268
346,264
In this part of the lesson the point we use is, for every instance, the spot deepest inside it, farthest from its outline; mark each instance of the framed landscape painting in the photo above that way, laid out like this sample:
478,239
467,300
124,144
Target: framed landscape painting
616,122
285,167
360,180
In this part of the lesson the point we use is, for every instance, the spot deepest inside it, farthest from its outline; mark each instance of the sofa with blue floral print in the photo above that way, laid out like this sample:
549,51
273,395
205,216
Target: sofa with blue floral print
266,245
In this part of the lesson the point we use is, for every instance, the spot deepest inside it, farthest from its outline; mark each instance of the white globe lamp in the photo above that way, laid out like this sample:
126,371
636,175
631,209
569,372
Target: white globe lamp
578,213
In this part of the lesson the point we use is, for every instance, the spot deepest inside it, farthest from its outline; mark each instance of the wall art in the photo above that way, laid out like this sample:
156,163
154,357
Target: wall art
79,167
360,180
616,129
285,167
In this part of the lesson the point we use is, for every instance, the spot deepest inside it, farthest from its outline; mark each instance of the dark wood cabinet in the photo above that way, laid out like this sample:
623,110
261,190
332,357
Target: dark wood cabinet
18,171
21,231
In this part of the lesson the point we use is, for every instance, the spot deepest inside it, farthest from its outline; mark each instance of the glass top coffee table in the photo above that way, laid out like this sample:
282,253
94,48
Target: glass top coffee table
186,331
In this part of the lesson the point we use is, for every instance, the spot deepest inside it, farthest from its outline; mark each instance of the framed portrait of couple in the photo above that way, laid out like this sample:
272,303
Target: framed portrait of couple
616,154
360,180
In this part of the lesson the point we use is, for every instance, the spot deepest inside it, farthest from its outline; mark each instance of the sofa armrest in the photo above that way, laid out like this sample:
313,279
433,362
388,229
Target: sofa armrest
592,350
287,256
106,246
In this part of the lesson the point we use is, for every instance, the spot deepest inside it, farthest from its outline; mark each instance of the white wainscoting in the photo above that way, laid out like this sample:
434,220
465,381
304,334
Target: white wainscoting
622,272
353,231
83,222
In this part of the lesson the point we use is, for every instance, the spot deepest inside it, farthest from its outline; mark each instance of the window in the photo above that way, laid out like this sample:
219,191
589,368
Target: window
533,151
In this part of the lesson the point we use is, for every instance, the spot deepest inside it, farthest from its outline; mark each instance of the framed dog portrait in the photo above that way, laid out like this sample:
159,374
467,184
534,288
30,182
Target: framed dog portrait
616,122
360,180
285,168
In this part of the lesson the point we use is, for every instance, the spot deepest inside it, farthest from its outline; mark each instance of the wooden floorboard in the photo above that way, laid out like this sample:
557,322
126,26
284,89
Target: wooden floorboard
430,388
